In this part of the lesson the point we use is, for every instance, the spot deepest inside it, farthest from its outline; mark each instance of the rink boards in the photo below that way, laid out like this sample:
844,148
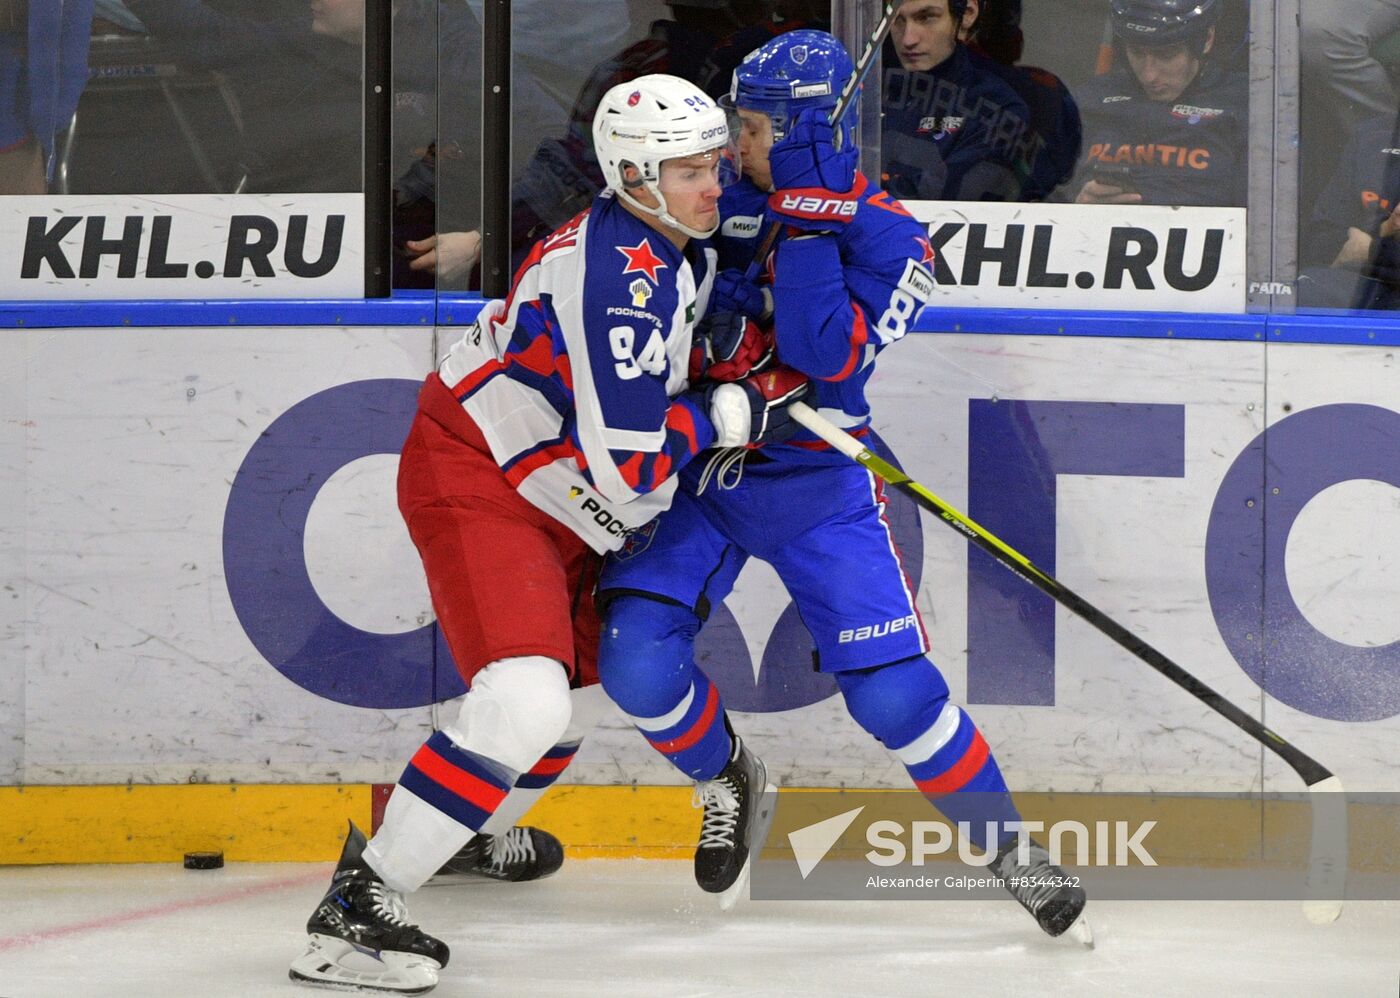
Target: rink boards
205,580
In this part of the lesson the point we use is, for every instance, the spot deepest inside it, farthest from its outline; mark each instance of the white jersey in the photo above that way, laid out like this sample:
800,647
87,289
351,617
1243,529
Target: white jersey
573,378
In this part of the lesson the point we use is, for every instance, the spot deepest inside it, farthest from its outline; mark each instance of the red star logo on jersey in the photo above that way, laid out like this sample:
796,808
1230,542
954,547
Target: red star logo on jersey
641,258
928,249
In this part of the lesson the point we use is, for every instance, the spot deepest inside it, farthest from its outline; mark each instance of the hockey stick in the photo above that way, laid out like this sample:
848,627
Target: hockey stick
843,102
1327,861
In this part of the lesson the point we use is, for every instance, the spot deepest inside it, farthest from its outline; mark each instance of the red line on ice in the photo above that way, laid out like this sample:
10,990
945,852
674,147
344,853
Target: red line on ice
112,921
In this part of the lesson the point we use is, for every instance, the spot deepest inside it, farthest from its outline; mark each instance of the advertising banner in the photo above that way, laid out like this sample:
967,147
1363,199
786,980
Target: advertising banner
1078,256
182,246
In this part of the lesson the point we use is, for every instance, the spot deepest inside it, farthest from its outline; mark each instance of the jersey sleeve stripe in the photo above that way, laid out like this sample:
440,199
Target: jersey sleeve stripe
681,419
860,333
546,386
822,445
518,468
467,387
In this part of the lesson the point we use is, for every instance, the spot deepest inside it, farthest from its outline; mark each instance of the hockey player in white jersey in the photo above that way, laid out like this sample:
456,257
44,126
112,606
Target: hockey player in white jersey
551,431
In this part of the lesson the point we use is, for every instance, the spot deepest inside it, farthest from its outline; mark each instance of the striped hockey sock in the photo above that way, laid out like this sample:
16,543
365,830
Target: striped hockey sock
952,765
462,785
694,734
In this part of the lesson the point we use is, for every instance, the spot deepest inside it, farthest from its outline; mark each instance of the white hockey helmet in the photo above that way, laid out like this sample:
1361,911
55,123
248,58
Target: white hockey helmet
655,118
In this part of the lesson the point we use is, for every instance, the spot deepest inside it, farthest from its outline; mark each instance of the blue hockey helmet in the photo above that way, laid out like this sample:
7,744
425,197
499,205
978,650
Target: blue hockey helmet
1159,23
795,71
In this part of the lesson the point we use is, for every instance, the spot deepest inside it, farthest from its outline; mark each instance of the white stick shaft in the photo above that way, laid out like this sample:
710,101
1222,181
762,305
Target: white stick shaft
825,429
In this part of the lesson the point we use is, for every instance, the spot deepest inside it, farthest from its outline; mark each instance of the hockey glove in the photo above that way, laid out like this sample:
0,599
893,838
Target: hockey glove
735,293
729,346
753,411
807,156
812,209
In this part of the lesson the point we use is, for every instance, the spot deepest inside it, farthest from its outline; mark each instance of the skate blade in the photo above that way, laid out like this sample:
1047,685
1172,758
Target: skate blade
1322,912
1081,933
341,966
730,896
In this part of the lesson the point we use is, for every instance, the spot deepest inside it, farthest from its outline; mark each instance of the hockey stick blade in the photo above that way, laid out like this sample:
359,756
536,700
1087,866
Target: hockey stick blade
1327,853
1327,856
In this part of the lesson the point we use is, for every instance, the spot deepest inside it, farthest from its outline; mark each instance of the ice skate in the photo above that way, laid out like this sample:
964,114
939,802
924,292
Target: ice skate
523,853
1043,889
360,937
738,812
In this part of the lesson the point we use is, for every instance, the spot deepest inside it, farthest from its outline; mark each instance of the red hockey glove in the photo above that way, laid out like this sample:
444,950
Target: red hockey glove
729,346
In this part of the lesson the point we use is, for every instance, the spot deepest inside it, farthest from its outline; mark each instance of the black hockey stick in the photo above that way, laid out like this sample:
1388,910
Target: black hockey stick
843,102
1327,861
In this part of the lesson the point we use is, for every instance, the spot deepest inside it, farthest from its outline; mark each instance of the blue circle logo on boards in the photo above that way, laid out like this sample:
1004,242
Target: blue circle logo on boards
287,621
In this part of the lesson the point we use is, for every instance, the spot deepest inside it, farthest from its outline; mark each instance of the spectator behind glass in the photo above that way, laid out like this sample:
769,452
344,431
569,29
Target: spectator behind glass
1170,127
298,77
1353,239
563,176
43,69
1336,41
952,128
1052,148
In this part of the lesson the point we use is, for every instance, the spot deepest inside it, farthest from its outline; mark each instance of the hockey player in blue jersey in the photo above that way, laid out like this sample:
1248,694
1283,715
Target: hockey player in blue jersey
845,283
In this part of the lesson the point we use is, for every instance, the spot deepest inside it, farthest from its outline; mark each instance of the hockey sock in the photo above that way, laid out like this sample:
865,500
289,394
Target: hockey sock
646,662
905,705
516,709
590,704
693,735
952,766
529,787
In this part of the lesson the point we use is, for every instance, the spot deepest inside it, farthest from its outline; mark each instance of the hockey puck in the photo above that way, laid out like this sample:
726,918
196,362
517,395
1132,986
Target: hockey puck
204,860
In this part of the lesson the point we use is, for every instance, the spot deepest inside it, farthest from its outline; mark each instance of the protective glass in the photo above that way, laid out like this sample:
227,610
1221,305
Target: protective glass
693,174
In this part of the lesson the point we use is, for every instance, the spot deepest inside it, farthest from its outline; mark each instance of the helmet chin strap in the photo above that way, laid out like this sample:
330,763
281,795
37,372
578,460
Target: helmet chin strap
663,214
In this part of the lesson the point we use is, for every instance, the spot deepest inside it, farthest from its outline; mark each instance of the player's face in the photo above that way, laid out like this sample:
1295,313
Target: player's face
692,188
755,139
924,33
1163,72
343,19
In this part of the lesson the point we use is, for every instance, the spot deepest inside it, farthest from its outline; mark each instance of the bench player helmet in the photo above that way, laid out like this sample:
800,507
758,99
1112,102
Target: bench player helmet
795,71
1159,23
654,118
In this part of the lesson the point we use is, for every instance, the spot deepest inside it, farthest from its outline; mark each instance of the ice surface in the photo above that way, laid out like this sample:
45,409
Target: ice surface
619,928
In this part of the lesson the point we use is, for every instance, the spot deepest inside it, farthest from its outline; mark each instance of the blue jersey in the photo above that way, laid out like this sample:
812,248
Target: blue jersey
573,378
817,517
838,300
